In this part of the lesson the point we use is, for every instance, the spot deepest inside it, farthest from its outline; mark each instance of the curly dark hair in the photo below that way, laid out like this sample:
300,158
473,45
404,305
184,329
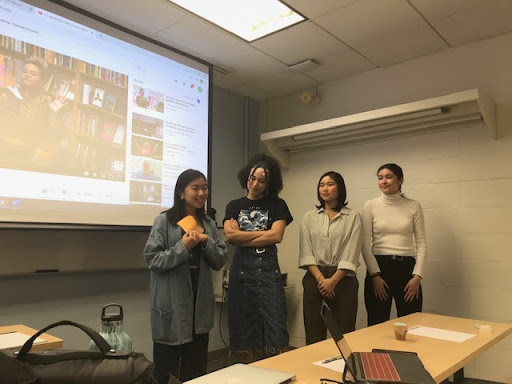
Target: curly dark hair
272,173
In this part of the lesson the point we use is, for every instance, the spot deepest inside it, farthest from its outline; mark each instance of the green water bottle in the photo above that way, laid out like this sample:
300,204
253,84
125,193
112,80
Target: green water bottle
112,329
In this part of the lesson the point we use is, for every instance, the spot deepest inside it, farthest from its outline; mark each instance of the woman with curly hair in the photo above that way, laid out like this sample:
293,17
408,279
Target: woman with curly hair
30,133
255,224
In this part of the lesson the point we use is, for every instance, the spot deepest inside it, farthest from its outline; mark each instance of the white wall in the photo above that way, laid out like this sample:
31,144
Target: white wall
462,178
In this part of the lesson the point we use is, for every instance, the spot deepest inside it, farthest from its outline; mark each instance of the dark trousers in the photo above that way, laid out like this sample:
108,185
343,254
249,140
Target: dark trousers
186,361
396,272
343,305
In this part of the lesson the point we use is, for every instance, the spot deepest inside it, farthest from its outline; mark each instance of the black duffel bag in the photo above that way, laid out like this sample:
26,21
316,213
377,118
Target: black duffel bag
59,366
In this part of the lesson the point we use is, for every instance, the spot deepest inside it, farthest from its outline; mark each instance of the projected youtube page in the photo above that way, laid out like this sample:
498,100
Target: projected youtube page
93,129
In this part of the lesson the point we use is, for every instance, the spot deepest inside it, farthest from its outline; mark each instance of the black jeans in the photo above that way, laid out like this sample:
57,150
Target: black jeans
343,306
396,272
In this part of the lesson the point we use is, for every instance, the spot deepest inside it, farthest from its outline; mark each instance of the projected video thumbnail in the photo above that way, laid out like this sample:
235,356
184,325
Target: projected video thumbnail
142,146
145,192
145,169
148,99
147,126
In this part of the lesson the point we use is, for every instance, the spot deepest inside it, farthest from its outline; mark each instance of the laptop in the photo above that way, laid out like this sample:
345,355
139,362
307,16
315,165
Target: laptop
379,365
244,374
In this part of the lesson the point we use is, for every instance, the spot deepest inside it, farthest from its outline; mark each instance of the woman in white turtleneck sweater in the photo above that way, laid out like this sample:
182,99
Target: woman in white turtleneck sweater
394,249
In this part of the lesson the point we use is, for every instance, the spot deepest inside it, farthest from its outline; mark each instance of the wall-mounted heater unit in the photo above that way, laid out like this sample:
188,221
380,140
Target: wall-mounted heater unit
458,110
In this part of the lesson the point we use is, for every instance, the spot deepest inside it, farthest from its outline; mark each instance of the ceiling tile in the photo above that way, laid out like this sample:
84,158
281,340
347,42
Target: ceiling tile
227,81
214,45
298,43
312,9
477,23
283,83
146,17
251,63
363,21
342,64
410,44
439,9
193,34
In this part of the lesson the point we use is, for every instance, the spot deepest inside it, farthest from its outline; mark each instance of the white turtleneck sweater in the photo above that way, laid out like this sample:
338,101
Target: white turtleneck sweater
393,225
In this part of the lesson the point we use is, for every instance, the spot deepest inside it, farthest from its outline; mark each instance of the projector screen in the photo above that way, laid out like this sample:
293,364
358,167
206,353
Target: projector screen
95,124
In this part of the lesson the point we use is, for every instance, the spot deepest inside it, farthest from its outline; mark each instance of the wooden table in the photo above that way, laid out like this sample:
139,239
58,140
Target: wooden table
441,358
50,343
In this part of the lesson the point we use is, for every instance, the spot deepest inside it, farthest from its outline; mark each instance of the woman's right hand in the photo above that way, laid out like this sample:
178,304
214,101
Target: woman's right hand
57,103
191,239
380,287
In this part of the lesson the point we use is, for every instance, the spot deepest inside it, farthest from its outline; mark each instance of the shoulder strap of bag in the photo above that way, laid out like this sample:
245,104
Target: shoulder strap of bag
103,346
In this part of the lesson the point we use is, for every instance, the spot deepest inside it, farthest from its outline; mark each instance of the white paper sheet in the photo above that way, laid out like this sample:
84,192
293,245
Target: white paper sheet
15,339
442,334
335,363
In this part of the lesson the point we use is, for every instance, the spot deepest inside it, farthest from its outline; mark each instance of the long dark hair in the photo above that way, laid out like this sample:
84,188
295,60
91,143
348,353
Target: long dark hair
342,190
396,169
178,211
272,173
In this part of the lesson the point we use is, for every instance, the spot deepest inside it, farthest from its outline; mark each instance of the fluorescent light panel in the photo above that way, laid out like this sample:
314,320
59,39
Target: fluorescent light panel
248,19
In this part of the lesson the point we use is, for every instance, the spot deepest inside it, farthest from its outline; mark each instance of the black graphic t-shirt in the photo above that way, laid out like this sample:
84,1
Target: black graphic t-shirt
258,215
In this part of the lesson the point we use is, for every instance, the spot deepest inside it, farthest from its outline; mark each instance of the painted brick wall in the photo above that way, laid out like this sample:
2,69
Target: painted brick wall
462,178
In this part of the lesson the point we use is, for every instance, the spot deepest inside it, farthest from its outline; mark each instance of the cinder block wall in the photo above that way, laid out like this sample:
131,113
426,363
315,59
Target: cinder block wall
462,178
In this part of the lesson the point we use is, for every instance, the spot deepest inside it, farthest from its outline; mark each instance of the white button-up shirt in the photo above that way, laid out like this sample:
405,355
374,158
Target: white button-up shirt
335,242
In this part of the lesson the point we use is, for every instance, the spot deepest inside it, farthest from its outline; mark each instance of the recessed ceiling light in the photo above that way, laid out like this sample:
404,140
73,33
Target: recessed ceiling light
248,19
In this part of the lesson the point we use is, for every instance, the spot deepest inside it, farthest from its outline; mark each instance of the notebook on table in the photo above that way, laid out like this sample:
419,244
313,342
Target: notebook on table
379,365
244,374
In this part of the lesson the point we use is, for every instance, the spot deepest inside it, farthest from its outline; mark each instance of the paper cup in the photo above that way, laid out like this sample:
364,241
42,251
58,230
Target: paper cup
400,330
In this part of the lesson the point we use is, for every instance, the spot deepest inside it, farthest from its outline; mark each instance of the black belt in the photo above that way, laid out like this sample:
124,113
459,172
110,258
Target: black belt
393,257
259,250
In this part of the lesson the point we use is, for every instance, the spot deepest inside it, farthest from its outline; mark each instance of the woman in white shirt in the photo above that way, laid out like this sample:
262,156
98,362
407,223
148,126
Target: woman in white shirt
330,245
394,249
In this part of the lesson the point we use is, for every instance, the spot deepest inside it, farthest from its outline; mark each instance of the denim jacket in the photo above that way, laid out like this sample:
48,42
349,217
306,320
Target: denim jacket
171,293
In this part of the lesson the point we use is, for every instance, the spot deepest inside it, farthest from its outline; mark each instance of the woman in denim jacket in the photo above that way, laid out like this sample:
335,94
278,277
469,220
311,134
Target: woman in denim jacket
181,289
